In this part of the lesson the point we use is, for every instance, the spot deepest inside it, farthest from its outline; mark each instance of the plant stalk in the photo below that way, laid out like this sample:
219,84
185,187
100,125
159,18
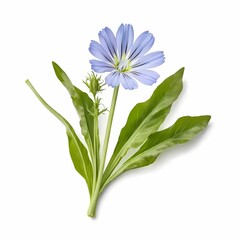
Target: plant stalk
96,190
96,144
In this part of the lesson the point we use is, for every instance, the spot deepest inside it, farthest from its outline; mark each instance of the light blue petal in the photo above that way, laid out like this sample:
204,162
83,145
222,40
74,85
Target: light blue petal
125,36
108,41
139,39
142,45
147,77
112,79
101,67
150,60
130,37
99,52
127,81
119,37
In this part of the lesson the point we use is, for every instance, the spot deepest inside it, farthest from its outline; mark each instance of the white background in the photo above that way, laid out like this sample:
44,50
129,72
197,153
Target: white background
191,192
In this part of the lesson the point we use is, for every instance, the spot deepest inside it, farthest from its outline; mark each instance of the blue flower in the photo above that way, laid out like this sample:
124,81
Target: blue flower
124,58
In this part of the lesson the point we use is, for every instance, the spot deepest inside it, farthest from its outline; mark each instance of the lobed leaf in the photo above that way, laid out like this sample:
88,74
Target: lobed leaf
145,118
77,150
183,130
83,104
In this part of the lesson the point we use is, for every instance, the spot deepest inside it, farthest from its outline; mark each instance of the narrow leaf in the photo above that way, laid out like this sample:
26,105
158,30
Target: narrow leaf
77,150
83,105
145,118
183,130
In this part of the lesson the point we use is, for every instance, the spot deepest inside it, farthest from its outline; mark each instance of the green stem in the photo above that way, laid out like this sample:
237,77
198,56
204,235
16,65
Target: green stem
95,195
96,134
96,144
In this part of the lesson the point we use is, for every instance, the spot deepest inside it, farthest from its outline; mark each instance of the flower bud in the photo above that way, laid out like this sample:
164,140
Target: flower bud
94,83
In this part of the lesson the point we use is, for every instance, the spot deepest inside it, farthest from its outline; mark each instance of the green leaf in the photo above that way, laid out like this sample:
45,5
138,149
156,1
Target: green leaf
145,118
183,130
83,104
77,150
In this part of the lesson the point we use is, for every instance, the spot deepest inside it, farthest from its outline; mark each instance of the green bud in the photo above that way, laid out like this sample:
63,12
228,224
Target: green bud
94,83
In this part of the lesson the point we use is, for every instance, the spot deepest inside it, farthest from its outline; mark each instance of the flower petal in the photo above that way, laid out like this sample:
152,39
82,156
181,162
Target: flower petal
108,41
142,45
147,77
127,81
119,37
100,67
113,79
99,52
150,60
125,36
130,37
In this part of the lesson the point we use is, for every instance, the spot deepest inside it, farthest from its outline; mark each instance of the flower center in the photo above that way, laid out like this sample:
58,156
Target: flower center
123,65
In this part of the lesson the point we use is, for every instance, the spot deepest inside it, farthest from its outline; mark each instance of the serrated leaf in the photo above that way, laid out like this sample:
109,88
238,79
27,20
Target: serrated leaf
77,150
83,104
145,118
183,130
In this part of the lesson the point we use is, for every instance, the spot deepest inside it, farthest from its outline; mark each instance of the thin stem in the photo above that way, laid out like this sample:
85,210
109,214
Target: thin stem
108,129
96,133
94,198
96,144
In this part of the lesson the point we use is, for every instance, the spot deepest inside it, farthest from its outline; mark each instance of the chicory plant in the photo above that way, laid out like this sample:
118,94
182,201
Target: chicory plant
127,62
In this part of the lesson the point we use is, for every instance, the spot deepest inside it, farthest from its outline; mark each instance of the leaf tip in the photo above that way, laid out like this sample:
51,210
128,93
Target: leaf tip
54,64
208,118
181,71
205,119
